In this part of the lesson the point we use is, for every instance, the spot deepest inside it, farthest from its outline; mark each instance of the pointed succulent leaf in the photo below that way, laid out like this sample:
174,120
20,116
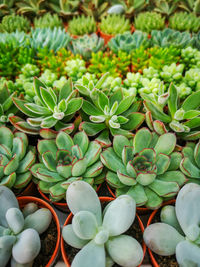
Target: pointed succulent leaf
48,122
37,84
162,163
165,243
93,153
156,113
189,169
97,119
48,99
64,141
71,238
37,109
142,140
125,104
135,119
102,100
172,100
79,167
20,104
126,179
166,144
19,147
15,220
78,191
92,128
74,105
12,165
64,170
119,142
81,140
102,80
94,170
47,145
65,90
159,127
192,101
111,160
49,160
125,250
90,109
6,136
113,180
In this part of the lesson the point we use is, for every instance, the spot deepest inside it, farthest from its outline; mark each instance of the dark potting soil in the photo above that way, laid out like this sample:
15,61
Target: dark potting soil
103,191
134,231
48,244
164,261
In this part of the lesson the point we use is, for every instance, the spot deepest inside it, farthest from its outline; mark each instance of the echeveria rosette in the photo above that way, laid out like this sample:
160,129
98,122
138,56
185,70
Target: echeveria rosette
16,158
117,114
179,228
64,160
190,164
169,113
48,110
99,235
145,168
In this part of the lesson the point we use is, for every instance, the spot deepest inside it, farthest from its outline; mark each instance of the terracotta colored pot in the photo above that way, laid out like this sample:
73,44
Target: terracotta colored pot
105,36
29,190
60,205
69,219
153,260
133,28
140,210
43,204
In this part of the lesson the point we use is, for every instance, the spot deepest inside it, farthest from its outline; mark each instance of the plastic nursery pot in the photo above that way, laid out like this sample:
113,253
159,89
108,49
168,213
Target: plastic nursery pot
132,28
105,36
69,219
141,210
62,206
43,204
153,260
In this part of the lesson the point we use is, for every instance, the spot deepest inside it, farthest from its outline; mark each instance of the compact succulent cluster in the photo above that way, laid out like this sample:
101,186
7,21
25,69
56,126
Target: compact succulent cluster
82,25
149,21
11,23
48,21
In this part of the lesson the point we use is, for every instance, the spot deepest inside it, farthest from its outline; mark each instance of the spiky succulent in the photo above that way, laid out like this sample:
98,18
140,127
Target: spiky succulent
182,21
148,21
48,109
48,21
82,25
95,8
100,236
34,7
54,39
117,114
16,39
64,160
146,168
65,8
11,23
165,7
114,24
169,37
167,113
86,45
191,6
178,231
20,230
16,159
127,42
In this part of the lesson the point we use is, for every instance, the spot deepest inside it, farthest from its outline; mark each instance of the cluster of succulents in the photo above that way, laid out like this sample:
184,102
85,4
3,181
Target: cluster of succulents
11,23
48,21
82,25
182,21
149,21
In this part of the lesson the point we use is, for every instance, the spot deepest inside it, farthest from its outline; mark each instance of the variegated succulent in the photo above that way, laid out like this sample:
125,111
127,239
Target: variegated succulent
64,160
16,158
48,109
146,168
117,114
168,113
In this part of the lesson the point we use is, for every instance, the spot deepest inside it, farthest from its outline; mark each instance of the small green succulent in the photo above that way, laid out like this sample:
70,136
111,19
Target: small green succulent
16,39
35,7
16,159
172,73
182,21
13,22
48,21
115,24
82,25
192,78
20,230
127,42
145,168
103,243
190,57
75,68
148,21
48,109
64,160
86,45
65,8
48,77
178,229
152,87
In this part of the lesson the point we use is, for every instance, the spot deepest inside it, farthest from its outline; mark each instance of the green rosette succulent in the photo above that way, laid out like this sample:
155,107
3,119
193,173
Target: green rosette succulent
127,42
146,168
13,22
64,160
75,68
48,109
166,112
82,25
16,159
182,21
48,21
117,114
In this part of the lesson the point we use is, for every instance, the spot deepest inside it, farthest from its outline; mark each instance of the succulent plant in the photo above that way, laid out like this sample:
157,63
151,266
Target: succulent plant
6,7
152,87
190,57
75,68
104,240
127,42
117,113
34,7
64,160
192,78
151,73
53,39
114,24
169,37
48,109
48,21
86,45
178,229
133,82
20,230
182,21
48,77
146,168
11,23
167,113
82,25
65,7
190,6
16,158
16,39
172,73
148,21
95,8
166,7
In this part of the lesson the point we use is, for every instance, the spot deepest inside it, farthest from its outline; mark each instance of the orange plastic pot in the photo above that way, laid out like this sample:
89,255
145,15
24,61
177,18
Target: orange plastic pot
43,204
69,219
153,260
60,205
141,210
105,36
